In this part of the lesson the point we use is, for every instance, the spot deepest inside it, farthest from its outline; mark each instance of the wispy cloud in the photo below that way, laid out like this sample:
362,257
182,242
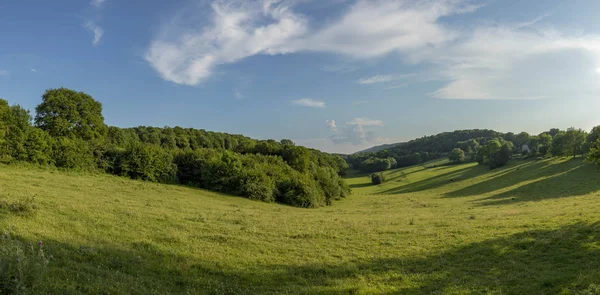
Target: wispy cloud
97,30
474,61
97,3
376,79
309,102
382,79
187,51
238,95
93,26
331,124
33,70
353,132
365,122
3,73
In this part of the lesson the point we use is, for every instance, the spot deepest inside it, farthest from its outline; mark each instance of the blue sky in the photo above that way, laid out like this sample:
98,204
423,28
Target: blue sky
338,75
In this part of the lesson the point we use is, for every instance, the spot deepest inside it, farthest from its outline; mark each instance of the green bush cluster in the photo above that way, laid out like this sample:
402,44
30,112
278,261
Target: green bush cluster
377,178
69,132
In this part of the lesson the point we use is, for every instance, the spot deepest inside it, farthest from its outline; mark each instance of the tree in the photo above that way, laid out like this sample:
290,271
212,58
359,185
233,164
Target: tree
377,178
575,139
521,139
457,156
594,154
68,113
592,139
544,143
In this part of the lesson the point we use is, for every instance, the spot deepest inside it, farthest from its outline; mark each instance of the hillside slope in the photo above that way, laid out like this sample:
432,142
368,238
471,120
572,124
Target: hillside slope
528,228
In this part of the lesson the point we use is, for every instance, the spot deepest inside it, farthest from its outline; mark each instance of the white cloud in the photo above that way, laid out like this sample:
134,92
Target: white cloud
376,79
354,132
33,70
97,3
598,70
475,61
309,102
508,62
331,125
97,30
189,53
3,73
365,122
382,79
238,95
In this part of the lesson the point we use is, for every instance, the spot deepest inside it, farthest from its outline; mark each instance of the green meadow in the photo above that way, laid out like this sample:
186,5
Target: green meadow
531,227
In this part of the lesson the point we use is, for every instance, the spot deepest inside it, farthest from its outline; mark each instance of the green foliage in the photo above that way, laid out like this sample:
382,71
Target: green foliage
65,112
569,143
38,147
594,154
300,191
456,156
146,162
377,164
495,153
73,153
377,178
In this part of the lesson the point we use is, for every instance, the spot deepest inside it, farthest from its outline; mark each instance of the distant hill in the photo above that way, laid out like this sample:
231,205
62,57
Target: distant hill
378,148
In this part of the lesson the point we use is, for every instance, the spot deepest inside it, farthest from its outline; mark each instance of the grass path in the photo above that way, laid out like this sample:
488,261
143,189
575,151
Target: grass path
528,228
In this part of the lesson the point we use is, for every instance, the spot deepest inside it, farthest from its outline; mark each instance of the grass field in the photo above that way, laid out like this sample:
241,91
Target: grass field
529,228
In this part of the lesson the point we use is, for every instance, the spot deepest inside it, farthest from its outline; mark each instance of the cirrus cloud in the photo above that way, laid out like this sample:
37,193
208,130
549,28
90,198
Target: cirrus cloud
309,102
188,53
479,60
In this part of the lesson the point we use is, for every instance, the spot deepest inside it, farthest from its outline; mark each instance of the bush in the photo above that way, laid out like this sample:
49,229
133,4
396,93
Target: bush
146,162
300,191
73,154
24,206
377,178
22,267
457,156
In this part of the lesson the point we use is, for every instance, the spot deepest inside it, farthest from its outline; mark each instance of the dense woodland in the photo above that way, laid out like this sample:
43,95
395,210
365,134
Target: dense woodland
487,147
68,131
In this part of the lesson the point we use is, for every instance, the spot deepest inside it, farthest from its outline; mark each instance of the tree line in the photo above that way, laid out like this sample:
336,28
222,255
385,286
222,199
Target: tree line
68,131
487,147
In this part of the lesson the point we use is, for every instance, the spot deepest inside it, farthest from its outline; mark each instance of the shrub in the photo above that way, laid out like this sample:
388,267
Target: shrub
146,162
377,178
457,156
300,191
73,154
24,206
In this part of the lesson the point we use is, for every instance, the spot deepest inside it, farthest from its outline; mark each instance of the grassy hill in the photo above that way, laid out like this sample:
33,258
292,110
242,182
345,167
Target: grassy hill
528,228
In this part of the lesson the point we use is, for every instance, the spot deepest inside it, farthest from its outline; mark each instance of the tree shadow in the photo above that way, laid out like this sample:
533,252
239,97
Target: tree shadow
564,260
575,179
360,185
512,175
439,180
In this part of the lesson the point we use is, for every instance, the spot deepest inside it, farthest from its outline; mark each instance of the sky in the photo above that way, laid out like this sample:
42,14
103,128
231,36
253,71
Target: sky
336,75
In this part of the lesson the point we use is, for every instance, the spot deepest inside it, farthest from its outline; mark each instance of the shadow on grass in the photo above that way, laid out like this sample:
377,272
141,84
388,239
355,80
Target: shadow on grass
359,185
507,176
569,179
542,180
560,261
439,180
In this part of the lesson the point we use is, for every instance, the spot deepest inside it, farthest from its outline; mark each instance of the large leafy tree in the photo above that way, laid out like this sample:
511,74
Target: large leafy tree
575,141
68,113
456,156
